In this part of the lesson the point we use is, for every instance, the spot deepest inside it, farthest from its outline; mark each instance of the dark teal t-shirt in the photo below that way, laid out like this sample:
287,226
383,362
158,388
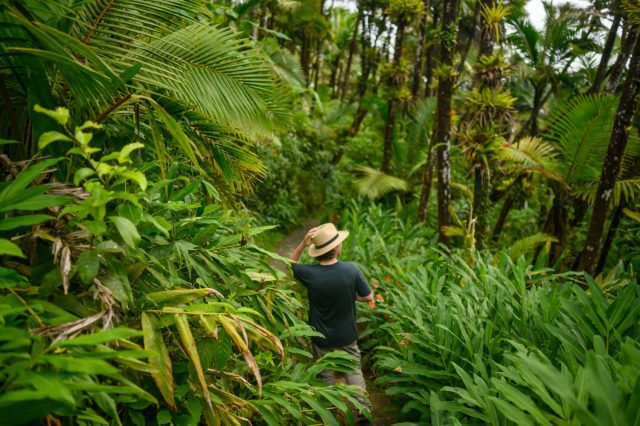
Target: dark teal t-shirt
332,300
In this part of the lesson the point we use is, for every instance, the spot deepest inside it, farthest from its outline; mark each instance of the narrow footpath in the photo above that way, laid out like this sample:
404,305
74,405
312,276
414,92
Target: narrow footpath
380,401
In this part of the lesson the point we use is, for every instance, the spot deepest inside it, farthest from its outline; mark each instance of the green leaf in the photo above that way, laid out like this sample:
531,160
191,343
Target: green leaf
325,414
82,174
10,249
160,361
9,278
23,180
81,365
88,265
100,337
28,220
607,397
189,344
49,137
38,203
137,177
126,151
120,287
60,114
511,412
127,230
178,297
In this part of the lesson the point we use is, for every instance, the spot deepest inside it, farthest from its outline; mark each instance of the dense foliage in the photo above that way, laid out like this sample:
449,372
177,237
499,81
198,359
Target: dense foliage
486,164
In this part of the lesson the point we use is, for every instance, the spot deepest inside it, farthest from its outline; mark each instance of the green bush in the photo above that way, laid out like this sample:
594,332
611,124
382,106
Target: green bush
156,306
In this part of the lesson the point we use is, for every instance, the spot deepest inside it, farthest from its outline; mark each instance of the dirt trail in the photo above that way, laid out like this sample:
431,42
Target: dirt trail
380,401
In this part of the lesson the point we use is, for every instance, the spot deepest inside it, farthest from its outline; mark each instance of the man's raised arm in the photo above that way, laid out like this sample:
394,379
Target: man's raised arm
306,241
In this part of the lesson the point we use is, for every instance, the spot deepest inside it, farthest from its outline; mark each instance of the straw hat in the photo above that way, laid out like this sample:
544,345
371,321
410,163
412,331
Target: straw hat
326,239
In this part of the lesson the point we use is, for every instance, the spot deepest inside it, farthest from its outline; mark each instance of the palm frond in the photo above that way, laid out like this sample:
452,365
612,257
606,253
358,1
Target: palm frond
528,244
632,215
374,183
531,152
580,130
423,119
624,189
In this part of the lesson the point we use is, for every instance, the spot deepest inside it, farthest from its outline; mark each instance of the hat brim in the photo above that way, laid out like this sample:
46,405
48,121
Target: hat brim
314,252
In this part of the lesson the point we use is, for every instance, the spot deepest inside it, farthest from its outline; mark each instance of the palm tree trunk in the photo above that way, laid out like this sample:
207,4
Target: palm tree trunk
618,67
443,116
606,55
431,58
392,105
426,183
481,204
502,218
466,46
388,135
611,233
317,63
353,45
335,75
612,162
420,53
305,55
537,104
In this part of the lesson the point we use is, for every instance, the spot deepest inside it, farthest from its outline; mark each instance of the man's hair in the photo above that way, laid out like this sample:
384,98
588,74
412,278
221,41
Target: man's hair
328,255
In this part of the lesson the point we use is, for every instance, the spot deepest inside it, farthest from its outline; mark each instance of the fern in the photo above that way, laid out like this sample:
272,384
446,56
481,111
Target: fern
624,189
529,244
375,184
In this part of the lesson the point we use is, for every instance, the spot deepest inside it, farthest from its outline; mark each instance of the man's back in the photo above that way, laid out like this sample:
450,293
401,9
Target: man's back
332,293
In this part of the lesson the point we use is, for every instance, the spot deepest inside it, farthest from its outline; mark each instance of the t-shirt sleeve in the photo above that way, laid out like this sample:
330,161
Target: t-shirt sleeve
300,273
362,287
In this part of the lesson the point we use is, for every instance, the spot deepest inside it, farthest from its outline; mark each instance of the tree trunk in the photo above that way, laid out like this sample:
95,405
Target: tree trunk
464,52
481,204
305,55
611,233
618,67
533,119
353,45
431,58
394,83
612,162
443,116
420,53
335,75
317,63
502,218
558,221
606,55
388,135
426,183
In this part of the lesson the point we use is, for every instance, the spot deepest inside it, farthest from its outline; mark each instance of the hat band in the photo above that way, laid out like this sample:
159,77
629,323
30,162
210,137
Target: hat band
323,245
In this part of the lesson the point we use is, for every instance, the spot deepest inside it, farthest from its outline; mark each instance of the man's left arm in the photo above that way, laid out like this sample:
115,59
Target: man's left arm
363,290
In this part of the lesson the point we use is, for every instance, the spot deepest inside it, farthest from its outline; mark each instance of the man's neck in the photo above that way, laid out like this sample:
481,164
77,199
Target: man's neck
329,261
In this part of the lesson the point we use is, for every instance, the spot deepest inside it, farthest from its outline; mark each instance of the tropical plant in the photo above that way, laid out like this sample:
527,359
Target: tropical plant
211,92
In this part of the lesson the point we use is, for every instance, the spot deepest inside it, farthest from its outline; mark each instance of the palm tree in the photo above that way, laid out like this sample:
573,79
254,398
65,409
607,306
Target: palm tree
153,65
546,57
441,133
613,162
401,11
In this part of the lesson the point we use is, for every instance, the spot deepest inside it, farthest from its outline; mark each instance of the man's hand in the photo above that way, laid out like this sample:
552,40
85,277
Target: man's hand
306,241
367,298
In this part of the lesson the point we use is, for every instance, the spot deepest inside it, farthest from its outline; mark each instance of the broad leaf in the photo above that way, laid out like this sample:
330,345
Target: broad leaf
160,361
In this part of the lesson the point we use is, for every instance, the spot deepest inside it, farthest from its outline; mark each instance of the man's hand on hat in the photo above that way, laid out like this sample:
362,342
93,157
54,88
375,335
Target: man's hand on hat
308,239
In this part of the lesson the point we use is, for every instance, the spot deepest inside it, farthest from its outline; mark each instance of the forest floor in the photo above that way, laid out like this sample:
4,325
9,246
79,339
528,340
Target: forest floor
382,416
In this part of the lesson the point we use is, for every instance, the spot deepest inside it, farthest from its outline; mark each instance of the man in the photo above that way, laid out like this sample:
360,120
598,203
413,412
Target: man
333,287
